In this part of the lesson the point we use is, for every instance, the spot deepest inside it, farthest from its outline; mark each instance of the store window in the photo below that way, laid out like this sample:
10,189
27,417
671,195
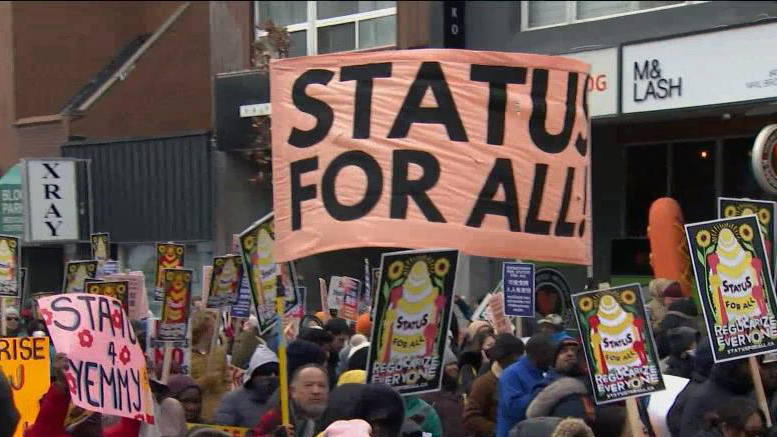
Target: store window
142,257
331,26
646,181
539,14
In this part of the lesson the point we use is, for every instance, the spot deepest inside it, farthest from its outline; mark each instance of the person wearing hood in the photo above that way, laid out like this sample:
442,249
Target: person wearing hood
728,380
663,292
185,389
244,406
569,395
377,404
13,322
481,406
681,313
702,367
682,343
517,383
9,415
449,401
345,353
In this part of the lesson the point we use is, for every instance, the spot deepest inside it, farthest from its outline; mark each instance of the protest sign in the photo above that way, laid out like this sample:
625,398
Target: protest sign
176,306
181,354
22,284
365,302
411,316
735,287
137,301
107,371
335,295
425,167
765,210
518,284
25,363
107,267
116,289
76,274
101,249
349,307
618,345
225,280
10,263
231,431
168,256
482,308
242,307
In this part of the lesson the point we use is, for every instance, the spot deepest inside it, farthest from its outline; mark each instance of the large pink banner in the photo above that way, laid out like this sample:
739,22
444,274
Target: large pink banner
482,151
107,370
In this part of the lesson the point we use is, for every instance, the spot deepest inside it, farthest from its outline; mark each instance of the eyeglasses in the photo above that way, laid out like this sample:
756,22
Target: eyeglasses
11,319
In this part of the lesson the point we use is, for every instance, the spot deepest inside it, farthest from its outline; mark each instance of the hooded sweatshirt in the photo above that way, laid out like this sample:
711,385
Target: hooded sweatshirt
244,406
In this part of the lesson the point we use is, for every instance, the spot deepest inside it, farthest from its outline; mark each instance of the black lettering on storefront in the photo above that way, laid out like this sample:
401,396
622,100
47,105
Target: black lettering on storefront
310,105
430,76
362,107
402,187
371,169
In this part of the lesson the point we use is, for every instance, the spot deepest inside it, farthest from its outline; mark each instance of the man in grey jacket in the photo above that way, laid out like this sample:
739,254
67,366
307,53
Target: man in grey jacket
244,407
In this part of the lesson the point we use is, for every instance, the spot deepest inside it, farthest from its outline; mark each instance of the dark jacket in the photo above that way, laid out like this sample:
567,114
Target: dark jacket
702,366
450,408
9,416
369,402
565,397
480,408
242,407
723,384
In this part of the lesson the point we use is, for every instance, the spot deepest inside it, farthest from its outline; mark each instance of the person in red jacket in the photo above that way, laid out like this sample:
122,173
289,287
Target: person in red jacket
54,407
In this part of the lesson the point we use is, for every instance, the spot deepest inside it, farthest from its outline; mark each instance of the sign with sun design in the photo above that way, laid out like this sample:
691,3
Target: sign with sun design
116,289
76,274
168,256
411,315
735,287
618,344
176,306
10,261
763,209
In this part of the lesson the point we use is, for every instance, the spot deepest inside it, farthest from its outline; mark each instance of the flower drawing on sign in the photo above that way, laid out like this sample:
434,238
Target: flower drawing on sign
85,338
124,355
117,319
47,316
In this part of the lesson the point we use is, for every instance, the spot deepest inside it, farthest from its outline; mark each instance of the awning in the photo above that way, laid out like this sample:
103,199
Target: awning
11,214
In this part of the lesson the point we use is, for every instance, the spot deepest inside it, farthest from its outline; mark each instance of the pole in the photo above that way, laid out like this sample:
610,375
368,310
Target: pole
635,423
3,322
759,389
284,375
324,302
167,362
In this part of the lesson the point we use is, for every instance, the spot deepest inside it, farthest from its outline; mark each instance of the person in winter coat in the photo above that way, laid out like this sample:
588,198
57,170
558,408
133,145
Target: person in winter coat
245,406
308,396
50,421
517,383
481,405
682,342
552,427
568,395
739,417
208,367
727,380
419,414
9,415
185,389
13,321
345,353
473,358
663,292
449,402
702,367
681,313
377,404
341,333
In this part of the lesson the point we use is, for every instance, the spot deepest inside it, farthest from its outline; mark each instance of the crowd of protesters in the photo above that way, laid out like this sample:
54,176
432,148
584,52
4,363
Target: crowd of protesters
493,385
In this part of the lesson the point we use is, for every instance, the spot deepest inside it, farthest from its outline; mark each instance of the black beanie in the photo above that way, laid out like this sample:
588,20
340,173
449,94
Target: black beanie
301,352
685,306
505,345
358,361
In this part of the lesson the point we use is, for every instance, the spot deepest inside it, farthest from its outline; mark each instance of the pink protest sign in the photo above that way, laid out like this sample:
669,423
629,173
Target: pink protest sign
138,302
107,370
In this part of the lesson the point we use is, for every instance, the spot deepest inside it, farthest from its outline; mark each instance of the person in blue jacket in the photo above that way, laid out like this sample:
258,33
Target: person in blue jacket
516,385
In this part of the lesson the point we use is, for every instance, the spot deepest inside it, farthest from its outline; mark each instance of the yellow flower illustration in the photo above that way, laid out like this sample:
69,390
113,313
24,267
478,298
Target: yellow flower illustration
179,250
746,232
248,242
703,239
585,304
441,267
730,211
628,297
764,215
395,270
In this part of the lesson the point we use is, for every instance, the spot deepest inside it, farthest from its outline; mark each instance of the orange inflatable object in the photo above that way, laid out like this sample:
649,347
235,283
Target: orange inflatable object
669,256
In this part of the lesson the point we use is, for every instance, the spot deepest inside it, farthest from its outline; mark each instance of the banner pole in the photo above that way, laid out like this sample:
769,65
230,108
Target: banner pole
284,376
635,423
167,362
3,322
760,395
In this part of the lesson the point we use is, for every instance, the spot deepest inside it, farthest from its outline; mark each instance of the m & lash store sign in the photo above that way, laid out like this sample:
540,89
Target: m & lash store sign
50,201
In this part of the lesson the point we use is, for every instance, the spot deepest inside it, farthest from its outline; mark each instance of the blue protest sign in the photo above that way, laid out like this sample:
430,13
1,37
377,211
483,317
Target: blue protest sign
518,284
242,306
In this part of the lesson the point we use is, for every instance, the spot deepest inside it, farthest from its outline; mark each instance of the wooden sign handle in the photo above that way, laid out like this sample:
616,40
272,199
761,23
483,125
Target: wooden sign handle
635,423
167,362
3,322
760,395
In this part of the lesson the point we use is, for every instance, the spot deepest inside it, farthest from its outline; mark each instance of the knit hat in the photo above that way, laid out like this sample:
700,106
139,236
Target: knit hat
11,311
348,428
364,325
505,345
316,335
357,348
301,352
475,326
566,340
263,362
681,339
356,376
684,306
358,339
178,383
673,290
